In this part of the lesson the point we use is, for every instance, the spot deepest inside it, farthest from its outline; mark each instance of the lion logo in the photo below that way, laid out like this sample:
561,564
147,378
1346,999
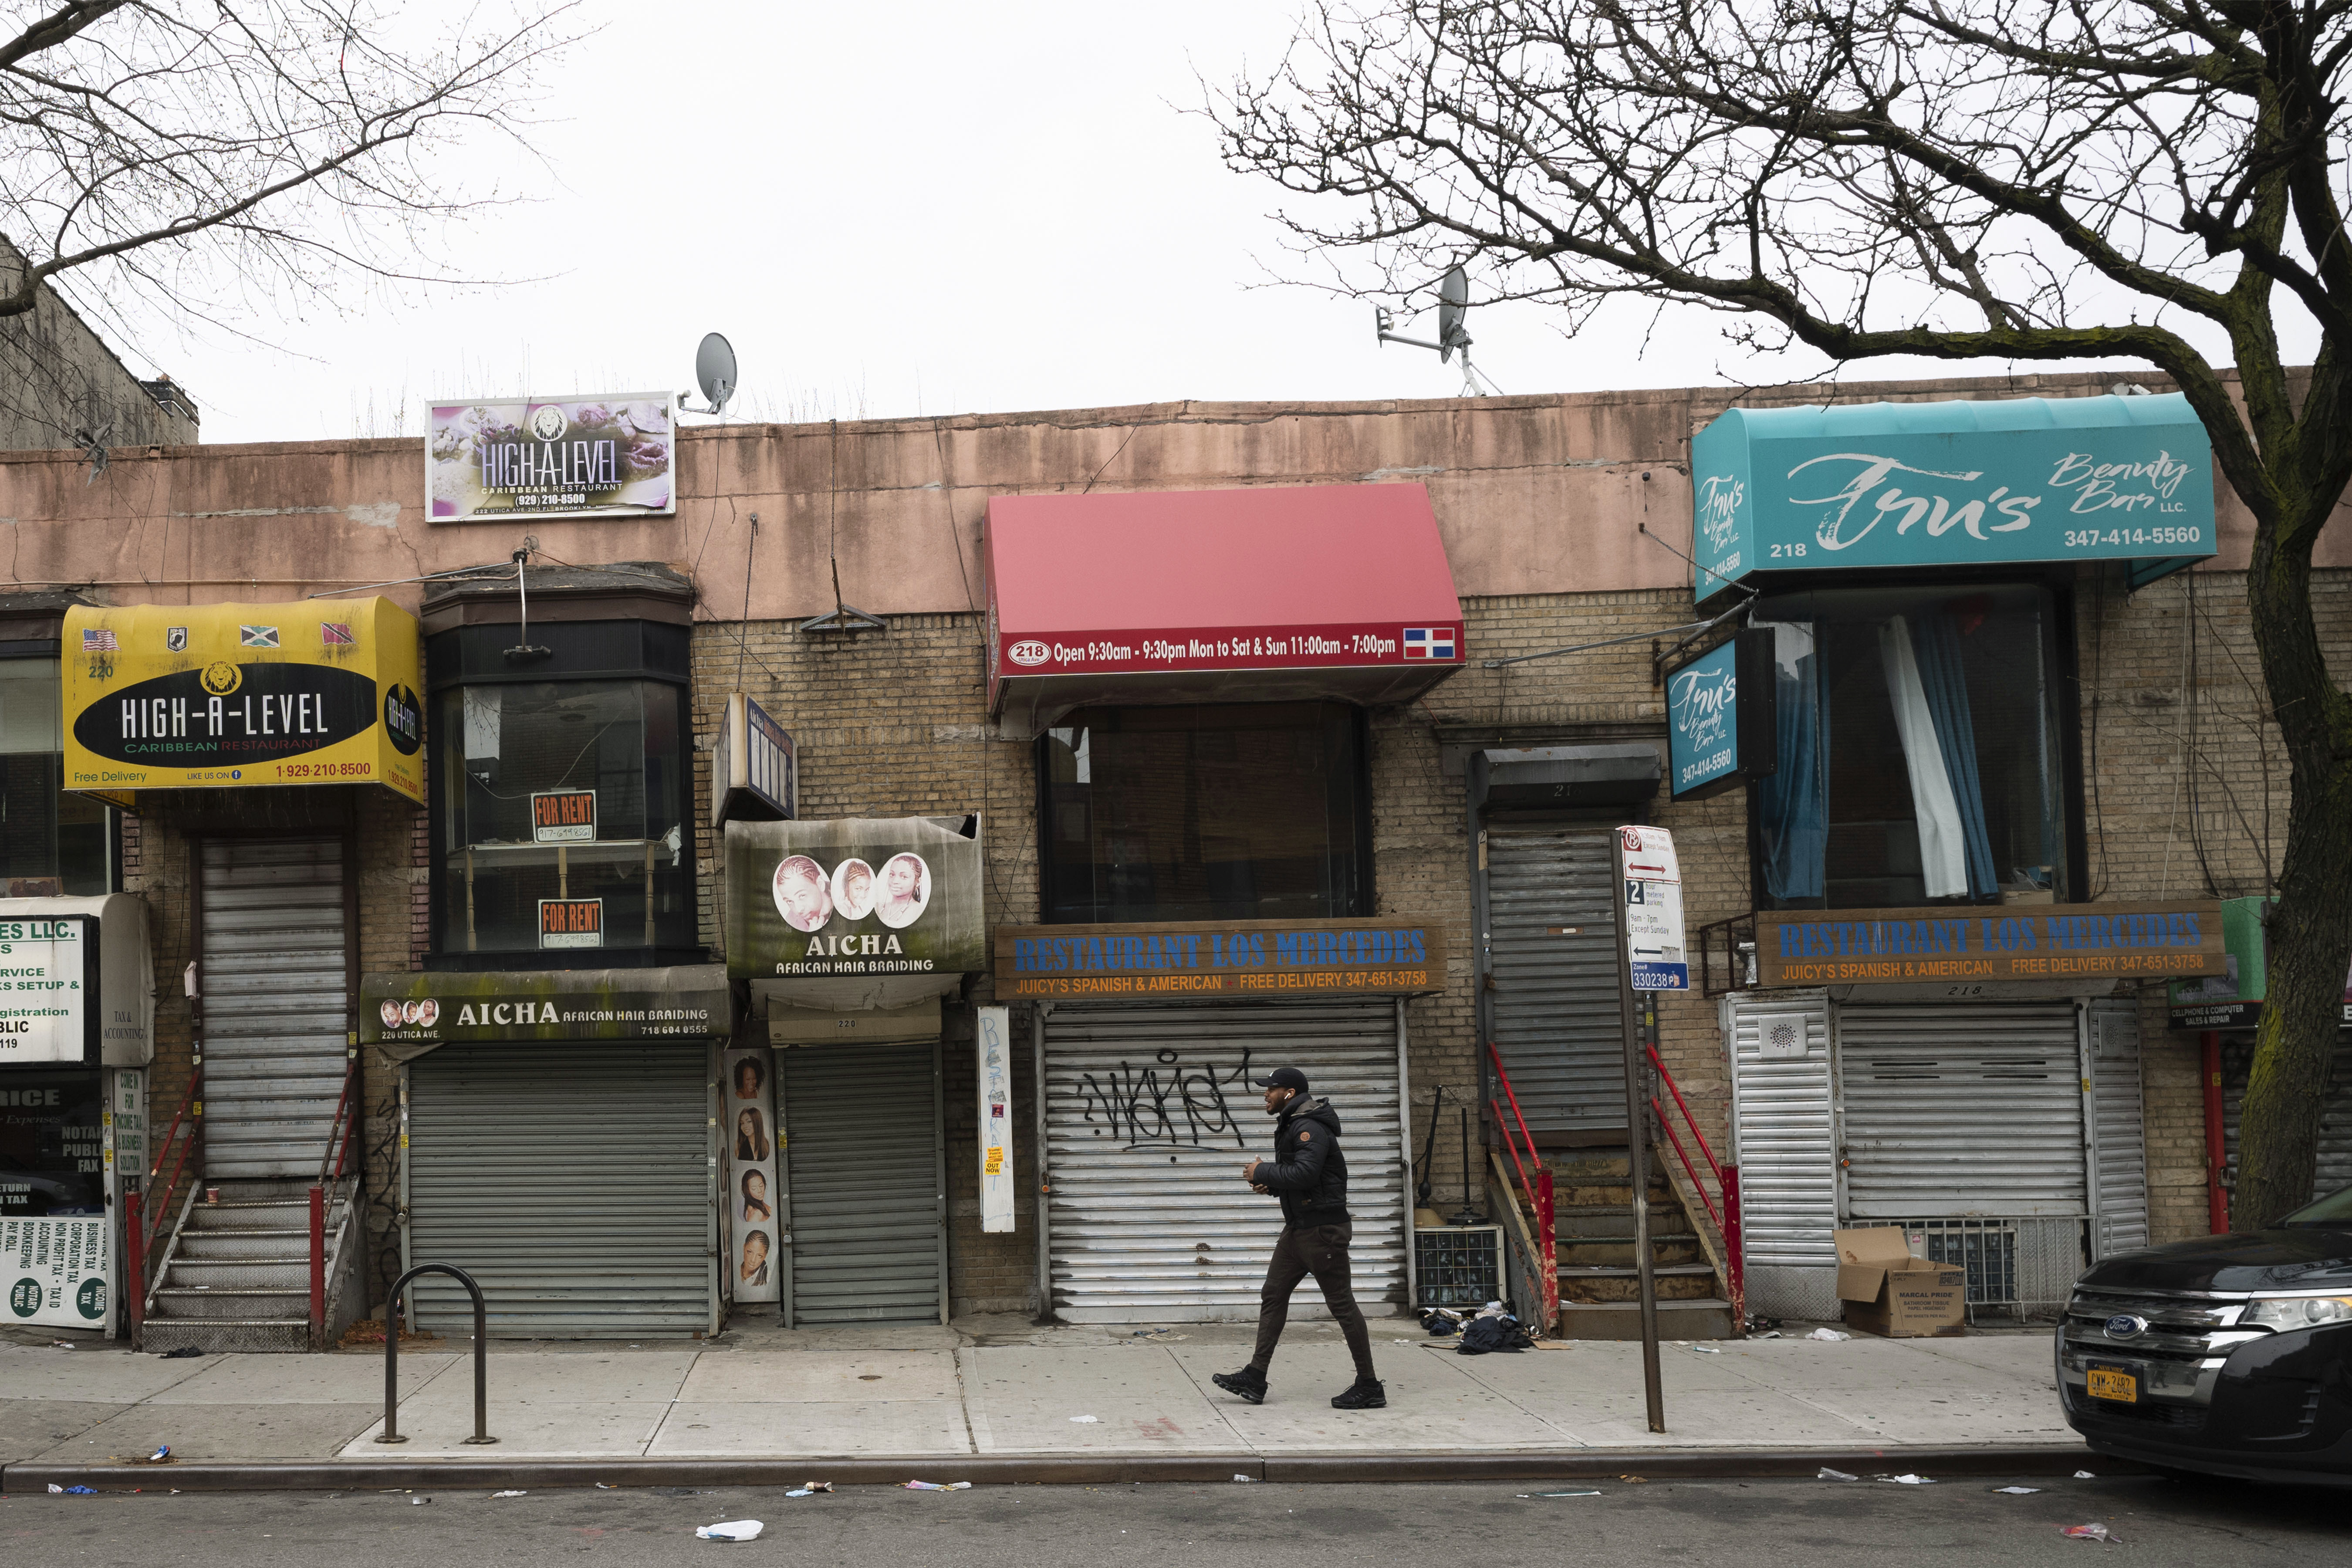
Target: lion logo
221,678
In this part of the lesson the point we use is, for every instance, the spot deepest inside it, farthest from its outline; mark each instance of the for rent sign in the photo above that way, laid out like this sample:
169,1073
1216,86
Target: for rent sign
2049,941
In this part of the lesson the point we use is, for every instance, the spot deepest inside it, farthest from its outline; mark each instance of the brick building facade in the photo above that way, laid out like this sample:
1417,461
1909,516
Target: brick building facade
1567,521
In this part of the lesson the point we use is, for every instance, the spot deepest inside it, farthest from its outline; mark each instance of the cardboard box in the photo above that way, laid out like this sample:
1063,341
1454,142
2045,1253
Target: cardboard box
1889,1289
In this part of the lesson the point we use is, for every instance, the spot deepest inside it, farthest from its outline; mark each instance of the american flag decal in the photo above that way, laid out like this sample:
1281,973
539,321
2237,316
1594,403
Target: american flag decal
336,634
1429,642
99,639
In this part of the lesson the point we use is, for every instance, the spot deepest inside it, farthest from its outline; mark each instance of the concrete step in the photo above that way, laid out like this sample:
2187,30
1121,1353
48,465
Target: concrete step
288,1270
1698,1319
255,1303
1614,1222
248,1246
260,1216
1679,1282
1618,1251
220,1336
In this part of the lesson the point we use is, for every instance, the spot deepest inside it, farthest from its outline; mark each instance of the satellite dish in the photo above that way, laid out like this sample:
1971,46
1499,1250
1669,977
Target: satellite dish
714,369
1452,295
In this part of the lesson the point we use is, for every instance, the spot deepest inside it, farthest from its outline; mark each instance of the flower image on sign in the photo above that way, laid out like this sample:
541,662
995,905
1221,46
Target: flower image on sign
589,457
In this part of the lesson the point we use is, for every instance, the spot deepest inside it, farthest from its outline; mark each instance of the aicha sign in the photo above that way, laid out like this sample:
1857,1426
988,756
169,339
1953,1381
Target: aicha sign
1954,483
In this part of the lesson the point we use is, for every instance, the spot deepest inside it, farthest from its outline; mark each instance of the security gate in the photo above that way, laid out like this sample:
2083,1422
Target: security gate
1551,961
1964,1108
573,1182
1150,1114
276,974
866,1180
2334,1170
1783,1134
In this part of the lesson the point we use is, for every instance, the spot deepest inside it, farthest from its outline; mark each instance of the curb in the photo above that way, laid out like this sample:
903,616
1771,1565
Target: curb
1057,1469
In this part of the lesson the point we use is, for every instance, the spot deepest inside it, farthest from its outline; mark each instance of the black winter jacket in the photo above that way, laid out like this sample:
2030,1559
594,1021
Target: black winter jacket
1307,1171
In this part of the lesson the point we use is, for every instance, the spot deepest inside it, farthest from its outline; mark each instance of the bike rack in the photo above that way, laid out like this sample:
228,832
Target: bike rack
392,1354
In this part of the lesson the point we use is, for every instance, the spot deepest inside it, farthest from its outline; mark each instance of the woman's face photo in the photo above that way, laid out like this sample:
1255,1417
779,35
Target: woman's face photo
853,888
747,1124
906,890
903,878
755,1253
747,1080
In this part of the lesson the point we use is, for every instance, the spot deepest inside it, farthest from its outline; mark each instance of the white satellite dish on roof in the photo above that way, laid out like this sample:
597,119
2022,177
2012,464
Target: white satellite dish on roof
714,370
1453,304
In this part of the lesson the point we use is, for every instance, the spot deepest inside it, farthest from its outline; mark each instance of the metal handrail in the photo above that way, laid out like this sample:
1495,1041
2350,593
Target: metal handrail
391,1433
332,1161
1540,1191
1726,1218
143,1224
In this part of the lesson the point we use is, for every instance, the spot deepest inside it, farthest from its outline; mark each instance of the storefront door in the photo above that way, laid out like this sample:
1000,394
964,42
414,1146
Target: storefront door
275,967
866,1183
1551,959
573,1182
1150,1113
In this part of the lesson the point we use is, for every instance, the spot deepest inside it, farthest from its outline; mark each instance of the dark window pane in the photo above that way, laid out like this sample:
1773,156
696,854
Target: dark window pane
497,746
52,1151
1233,812
1934,717
44,832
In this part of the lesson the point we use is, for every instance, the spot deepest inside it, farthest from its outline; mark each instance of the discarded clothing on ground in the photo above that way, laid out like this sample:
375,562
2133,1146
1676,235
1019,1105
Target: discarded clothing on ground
1484,1335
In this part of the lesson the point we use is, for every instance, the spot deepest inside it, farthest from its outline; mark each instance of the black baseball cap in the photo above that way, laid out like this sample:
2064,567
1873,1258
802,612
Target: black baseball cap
1284,1078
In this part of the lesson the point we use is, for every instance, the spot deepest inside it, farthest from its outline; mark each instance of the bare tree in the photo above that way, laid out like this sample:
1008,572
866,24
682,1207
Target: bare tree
1962,179
211,158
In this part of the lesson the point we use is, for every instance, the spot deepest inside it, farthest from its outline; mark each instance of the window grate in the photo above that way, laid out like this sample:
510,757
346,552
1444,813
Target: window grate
1458,1267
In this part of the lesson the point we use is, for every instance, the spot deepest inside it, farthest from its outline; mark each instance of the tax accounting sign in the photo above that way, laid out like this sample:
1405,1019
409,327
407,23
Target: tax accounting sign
240,696
1960,482
1650,885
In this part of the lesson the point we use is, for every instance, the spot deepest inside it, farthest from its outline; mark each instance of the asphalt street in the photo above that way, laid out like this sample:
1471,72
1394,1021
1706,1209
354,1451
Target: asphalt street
1818,1524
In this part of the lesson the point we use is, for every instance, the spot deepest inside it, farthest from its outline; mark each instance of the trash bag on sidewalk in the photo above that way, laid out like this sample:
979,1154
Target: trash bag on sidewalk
1484,1335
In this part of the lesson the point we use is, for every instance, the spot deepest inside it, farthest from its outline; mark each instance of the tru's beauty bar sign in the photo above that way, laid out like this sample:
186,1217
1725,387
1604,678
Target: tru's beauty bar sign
1954,483
1945,942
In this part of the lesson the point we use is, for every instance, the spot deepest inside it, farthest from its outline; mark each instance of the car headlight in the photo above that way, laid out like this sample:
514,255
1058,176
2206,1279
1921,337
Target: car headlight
2298,1311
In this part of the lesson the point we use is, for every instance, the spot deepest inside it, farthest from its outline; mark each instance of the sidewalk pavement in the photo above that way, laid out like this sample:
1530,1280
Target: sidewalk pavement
999,1389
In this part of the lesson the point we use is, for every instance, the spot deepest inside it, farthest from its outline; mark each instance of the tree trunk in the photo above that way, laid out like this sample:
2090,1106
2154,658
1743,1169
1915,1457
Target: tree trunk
2309,933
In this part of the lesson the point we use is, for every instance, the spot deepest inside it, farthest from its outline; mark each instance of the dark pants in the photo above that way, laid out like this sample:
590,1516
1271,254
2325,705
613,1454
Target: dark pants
1320,1251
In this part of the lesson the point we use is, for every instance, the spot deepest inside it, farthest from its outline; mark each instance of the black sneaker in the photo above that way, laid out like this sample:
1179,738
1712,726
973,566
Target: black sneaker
1367,1395
1247,1384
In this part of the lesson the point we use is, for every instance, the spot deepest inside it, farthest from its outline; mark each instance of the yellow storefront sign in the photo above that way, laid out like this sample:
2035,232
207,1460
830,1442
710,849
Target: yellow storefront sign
232,696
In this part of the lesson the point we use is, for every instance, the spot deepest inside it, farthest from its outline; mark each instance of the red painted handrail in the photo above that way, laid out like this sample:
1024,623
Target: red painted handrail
1726,1216
332,1161
144,1227
1539,1192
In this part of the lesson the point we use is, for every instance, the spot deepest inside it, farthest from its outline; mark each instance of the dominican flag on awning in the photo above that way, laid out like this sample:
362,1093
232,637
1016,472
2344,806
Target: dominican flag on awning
1429,642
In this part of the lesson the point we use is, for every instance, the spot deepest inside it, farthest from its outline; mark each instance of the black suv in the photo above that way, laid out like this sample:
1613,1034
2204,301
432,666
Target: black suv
2228,1356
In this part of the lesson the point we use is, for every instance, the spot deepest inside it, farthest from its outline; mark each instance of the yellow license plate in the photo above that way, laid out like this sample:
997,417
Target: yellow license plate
2112,1382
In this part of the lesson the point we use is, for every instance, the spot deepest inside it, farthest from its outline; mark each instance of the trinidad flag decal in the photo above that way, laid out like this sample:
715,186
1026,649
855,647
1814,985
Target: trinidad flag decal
1429,642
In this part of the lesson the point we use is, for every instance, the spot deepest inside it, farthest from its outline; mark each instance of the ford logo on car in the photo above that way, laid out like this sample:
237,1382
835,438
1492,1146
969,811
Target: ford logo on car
1029,652
2125,1326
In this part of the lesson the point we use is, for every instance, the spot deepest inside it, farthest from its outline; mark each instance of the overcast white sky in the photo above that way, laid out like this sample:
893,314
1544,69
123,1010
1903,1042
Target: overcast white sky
919,208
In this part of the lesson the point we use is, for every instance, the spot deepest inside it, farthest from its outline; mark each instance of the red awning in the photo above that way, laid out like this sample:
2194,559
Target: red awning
1328,591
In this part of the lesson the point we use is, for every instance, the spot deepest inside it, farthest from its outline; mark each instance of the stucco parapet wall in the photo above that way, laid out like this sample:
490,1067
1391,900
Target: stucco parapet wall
1547,494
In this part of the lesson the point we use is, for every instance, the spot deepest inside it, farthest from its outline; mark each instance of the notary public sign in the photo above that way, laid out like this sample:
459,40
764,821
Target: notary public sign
242,696
2032,941
1241,958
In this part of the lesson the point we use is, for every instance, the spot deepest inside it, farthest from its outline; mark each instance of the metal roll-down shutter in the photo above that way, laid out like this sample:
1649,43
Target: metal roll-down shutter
864,1183
2119,1129
1150,1114
1959,1108
276,975
2334,1168
573,1181
1552,957
1786,1148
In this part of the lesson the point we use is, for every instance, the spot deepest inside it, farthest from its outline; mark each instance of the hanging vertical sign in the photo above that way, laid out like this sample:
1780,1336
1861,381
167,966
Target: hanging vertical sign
754,1233
995,1041
1650,888
55,1272
1720,724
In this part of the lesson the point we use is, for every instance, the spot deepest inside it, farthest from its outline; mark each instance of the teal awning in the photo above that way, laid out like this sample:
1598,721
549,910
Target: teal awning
1960,482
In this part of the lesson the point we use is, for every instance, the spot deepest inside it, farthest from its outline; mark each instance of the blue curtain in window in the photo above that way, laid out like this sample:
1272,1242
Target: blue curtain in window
1793,802
1935,640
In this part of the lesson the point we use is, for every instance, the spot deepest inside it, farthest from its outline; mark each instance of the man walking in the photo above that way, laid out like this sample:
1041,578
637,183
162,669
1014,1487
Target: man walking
1310,1175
